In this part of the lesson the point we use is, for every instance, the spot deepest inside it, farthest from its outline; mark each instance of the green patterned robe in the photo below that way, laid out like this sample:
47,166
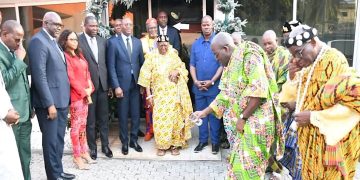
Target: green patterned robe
280,59
248,74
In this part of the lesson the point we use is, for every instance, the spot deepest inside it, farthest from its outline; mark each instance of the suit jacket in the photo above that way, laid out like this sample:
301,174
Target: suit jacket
119,65
49,79
14,74
98,70
174,37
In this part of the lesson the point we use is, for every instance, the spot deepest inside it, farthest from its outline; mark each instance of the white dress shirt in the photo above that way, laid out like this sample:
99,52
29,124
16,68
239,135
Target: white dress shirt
163,31
125,42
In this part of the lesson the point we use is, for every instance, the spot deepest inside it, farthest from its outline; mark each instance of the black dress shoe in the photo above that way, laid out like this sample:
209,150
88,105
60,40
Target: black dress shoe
93,154
141,134
67,176
200,147
215,148
225,145
136,146
107,151
125,149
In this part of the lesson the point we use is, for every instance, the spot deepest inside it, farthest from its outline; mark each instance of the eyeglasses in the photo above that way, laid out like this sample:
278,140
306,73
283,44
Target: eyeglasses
19,40
299,53
58,25
128,24
72,39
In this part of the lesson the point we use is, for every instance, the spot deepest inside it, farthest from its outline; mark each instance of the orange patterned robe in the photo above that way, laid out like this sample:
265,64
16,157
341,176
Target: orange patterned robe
321,161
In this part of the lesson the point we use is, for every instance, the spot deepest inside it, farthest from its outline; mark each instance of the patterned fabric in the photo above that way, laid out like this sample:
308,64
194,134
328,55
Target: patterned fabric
280,59
311,142
172,104
291,159
148,45
249,74
78,116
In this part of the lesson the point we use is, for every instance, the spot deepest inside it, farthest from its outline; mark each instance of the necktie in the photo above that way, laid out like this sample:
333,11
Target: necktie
163,30
94,48
58,48
128,47
12,54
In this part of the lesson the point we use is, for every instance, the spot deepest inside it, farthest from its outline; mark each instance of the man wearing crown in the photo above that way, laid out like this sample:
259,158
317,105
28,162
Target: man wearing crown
326,96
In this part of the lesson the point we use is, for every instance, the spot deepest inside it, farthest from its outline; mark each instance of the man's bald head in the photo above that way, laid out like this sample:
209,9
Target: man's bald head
12,34
269,41
237,37
206,18
52,23
10,26
223,46
51,16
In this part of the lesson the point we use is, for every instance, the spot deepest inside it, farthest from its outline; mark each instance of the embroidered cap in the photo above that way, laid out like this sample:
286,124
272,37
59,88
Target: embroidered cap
288,26
302,38
163,38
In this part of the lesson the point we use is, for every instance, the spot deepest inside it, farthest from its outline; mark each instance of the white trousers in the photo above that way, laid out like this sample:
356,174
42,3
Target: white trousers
10,167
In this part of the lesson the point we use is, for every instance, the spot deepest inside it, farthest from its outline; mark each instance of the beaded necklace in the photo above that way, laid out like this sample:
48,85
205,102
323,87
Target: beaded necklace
300,99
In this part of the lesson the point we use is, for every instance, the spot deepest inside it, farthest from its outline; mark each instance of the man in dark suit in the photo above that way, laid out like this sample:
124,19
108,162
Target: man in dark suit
94,49
125,57
50,93
171,32
13,70
117,29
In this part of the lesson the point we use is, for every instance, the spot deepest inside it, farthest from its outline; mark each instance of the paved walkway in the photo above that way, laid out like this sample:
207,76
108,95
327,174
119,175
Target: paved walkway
139,169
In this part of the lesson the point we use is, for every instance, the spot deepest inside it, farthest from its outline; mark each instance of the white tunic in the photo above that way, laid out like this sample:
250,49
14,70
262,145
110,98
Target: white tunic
10,167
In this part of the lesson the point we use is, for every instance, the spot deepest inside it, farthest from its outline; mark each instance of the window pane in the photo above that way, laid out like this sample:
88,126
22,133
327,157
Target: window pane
263,15
335,21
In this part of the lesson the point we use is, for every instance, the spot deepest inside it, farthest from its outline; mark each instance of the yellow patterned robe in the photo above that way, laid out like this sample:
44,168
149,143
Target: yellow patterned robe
172,103
319,159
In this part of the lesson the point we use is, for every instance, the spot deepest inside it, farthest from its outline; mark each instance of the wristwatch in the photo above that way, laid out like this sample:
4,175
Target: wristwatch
212,83
242,117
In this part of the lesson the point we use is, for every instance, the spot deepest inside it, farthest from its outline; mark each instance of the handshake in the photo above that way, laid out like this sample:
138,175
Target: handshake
195,119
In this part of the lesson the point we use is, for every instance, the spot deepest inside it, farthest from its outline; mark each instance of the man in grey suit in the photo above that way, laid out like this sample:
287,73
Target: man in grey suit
94,49
50,91
125,57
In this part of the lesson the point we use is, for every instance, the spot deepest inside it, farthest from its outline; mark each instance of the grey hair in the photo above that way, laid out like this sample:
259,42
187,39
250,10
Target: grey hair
222,39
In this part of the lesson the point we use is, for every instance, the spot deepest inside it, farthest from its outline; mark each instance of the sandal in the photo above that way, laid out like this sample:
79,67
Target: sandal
80,164
88,159
175,151
160,152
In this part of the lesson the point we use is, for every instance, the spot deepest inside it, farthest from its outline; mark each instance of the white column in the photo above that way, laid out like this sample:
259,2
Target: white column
204,7
356,57
17,13
150,8
294,9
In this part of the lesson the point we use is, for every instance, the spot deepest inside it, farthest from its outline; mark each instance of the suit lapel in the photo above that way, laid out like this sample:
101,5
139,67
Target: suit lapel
7,54
8,61
122,45
61,55
86,44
